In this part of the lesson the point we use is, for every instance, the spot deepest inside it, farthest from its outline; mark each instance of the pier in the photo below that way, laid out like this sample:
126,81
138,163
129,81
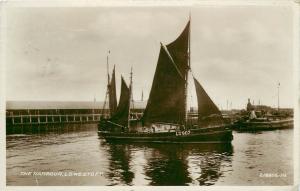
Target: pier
46,120
54,116
52,119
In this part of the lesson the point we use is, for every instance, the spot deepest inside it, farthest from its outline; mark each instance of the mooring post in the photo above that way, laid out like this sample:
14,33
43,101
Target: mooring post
13,120
21,119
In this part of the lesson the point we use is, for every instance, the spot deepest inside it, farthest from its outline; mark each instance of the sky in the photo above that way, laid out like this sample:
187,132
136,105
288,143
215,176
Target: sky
237,52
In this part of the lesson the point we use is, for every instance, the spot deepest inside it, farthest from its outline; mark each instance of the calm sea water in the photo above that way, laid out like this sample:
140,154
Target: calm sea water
263,158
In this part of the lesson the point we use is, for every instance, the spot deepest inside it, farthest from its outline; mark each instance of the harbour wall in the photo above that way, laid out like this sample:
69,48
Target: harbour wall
56,116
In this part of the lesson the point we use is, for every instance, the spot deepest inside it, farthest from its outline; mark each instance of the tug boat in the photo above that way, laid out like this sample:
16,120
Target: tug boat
272,122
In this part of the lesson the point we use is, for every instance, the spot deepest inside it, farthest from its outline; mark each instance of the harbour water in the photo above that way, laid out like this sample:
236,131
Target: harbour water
76,155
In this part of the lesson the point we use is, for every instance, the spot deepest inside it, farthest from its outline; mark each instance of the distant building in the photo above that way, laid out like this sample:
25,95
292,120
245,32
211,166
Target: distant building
251,107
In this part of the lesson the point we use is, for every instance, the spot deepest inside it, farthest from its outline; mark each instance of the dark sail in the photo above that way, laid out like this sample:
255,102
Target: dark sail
178,50
167,96
208,112
112,94
121,115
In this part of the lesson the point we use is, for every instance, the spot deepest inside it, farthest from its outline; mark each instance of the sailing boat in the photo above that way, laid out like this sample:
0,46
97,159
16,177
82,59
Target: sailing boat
165,116
111,95
119,119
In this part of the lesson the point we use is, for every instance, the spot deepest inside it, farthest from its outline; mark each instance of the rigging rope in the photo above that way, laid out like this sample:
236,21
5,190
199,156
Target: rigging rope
174,64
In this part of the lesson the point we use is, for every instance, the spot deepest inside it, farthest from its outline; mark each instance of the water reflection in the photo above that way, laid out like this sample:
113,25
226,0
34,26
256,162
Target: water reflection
212,159
119,167
77,148
169,164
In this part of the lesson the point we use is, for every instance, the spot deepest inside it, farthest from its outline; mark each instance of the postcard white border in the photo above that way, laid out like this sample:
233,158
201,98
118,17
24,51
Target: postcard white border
100,3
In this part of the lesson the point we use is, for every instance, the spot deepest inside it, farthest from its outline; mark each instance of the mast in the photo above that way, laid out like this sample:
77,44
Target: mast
107,67
278,96
94,104
112,93
108,81
108,87
227,104
130,97
187,72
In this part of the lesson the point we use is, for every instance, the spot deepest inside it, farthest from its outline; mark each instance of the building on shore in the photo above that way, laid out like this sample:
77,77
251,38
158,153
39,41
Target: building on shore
262,110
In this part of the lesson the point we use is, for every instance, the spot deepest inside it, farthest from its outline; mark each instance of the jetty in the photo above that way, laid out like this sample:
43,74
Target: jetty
26,113
36,117
54,116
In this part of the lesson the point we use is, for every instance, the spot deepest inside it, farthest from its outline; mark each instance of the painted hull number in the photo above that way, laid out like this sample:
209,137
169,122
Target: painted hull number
181,133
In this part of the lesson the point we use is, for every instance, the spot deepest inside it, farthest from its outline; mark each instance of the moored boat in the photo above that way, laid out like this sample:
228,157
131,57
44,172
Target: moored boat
259,124
255,119
165,116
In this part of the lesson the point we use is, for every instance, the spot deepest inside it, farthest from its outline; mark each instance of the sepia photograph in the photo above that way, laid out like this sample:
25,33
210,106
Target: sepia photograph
150,95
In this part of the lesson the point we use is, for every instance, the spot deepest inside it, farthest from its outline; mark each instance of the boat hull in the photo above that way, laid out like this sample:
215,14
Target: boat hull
217,136
262,126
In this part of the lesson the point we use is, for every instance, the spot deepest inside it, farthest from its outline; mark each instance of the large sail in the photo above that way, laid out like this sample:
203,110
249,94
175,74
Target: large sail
167,96
178,50
121,115
208,112
112,94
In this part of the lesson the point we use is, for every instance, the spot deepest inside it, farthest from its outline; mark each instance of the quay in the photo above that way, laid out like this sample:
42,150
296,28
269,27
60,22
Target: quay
51,119
51,116
54,116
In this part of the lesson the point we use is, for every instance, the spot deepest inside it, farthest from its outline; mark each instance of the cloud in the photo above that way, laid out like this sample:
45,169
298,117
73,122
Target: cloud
60,53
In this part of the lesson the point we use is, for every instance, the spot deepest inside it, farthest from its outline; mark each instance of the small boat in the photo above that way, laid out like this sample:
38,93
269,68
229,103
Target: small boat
259,124
165,117
267,122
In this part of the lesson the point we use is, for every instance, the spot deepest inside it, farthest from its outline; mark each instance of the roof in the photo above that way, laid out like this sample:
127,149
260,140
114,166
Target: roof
10,105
